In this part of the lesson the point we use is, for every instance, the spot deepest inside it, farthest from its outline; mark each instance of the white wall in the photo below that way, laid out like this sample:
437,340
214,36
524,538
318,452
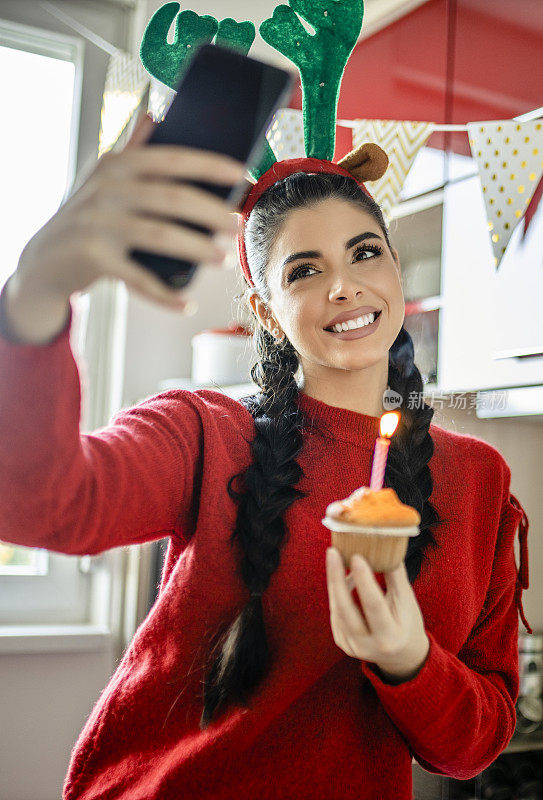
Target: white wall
46,699
158,342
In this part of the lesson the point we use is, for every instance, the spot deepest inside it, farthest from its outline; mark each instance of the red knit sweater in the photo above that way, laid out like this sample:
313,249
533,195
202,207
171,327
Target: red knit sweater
322,724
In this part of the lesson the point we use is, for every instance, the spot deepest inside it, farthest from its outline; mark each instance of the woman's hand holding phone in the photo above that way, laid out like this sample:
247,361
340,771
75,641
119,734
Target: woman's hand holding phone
134,199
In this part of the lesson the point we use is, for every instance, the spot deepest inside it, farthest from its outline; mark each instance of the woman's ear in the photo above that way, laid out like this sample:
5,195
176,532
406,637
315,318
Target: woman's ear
260,310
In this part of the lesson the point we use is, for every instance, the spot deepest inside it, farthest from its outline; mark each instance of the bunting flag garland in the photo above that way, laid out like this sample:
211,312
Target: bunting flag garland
286,134
509,157
401,141
125,85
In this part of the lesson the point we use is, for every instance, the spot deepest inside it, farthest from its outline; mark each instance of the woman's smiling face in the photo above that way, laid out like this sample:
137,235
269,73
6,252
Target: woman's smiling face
350,266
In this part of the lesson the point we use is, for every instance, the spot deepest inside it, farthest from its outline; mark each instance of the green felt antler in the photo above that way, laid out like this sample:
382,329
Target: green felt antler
238,35
320,58
165,61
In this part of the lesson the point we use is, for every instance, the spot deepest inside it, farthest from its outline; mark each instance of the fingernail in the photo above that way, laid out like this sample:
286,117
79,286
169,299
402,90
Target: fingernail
191,308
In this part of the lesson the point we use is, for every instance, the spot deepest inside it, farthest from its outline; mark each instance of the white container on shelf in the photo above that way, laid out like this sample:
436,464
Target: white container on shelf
222,356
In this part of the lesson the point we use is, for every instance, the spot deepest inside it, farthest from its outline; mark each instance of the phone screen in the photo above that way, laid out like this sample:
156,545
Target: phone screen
224,103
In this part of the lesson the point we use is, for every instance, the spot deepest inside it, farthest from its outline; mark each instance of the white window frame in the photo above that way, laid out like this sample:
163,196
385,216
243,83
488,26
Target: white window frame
60,591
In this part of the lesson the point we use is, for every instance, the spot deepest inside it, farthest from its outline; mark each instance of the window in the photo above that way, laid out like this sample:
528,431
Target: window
41,91
38,136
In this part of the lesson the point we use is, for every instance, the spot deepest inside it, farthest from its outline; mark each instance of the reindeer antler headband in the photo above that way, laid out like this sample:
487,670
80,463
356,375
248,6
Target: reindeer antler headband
321,60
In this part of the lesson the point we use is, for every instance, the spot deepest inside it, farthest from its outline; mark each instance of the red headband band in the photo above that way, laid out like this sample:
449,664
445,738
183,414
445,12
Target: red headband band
278,171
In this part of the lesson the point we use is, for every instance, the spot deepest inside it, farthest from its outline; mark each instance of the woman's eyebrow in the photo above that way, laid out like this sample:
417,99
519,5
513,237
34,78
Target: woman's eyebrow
317,254
356,239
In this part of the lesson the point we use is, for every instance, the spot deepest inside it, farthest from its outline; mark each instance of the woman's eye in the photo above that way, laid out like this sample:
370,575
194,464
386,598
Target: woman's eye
373,249
296,273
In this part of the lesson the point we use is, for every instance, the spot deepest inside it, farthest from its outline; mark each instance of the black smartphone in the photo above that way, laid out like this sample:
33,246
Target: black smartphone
225,102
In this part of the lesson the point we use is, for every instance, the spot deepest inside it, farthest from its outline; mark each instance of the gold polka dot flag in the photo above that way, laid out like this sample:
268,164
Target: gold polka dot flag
126,83
401,141
509,156
286,134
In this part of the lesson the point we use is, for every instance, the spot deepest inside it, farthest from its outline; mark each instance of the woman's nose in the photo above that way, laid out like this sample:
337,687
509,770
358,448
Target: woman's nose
344,289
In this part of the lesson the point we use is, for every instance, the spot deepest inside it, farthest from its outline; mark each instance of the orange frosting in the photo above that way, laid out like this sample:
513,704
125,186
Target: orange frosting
368,507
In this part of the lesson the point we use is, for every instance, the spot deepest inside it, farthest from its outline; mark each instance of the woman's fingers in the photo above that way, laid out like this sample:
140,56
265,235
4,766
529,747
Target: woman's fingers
142,130
342,606
177,201
183,163
166,238
372,597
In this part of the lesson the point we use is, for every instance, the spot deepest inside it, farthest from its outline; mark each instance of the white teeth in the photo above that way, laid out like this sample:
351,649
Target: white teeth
352,324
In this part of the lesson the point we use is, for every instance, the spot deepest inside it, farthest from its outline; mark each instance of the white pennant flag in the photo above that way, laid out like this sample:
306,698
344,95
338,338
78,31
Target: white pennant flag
401,141
126,82
286,134
509,156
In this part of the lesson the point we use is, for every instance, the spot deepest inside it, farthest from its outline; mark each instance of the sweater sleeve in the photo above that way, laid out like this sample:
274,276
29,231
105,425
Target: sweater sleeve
129,482
458,713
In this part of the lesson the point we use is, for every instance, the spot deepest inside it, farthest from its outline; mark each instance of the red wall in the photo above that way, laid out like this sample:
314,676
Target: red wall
400,72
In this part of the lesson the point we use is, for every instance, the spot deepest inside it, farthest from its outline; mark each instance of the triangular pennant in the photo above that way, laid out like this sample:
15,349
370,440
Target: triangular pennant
160,99
286,134
126,82
509,156
532,207
401,141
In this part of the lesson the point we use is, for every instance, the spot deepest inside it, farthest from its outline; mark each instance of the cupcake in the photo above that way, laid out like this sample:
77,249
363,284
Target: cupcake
373,523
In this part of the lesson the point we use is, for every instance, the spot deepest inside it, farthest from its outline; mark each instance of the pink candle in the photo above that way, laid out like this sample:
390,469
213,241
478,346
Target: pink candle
389,423
380,455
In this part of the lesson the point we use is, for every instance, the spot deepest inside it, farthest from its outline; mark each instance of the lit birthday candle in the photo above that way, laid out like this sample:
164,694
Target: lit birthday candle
389,423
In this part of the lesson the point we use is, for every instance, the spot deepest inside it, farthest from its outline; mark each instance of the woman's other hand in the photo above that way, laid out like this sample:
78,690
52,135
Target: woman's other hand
390,632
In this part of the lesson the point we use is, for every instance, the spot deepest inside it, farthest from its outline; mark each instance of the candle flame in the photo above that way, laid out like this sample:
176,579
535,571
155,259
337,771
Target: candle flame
389,423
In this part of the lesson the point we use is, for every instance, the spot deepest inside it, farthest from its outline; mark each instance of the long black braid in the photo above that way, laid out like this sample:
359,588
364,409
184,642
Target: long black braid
240,657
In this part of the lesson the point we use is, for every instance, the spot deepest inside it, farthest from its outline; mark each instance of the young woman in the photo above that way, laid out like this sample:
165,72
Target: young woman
262,670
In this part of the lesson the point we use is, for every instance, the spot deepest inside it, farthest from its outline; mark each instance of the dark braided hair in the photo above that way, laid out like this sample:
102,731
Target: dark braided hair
241,656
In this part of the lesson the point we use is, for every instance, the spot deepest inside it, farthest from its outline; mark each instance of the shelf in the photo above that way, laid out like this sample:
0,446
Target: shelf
76,638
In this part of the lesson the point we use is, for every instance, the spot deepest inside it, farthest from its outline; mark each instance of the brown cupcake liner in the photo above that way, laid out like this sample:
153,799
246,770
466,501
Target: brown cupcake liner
383,553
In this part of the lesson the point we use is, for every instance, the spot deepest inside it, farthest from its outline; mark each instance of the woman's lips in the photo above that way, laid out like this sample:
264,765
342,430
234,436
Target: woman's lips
358,333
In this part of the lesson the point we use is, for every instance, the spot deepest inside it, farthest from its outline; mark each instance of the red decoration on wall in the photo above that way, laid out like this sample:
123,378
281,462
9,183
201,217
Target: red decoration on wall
400,71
